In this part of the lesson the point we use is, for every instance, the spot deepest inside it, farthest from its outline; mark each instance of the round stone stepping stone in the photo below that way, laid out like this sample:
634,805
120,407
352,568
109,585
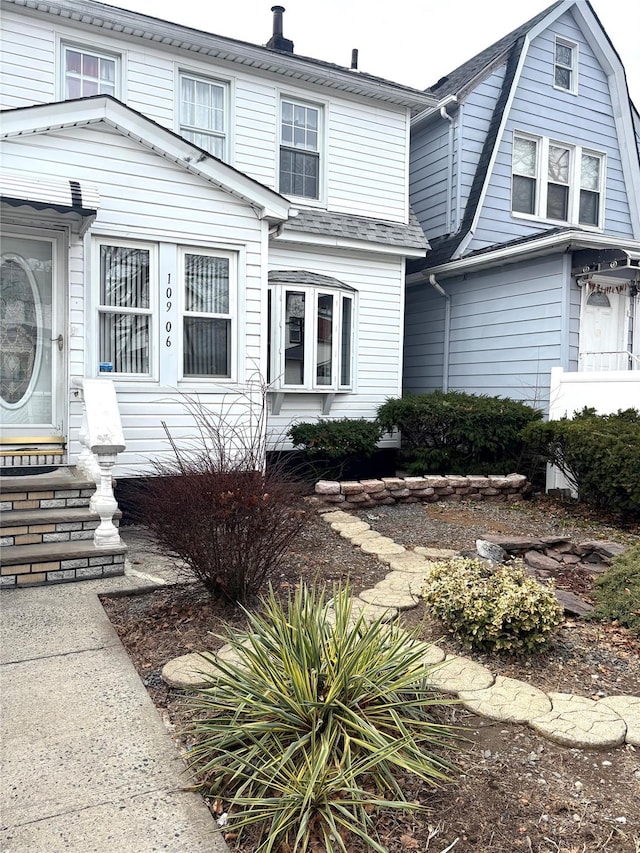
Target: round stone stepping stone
190,671
627,707
359,538
388,598
382,545
347,530
433,655
338,515
436,553
507,699
407,562
580,722
370,612
458,673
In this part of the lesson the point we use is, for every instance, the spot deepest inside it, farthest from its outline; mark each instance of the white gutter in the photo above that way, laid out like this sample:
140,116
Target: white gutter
567,240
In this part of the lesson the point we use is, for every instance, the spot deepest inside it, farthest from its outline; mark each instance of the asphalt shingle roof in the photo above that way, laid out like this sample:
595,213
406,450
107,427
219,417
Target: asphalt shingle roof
354,227
301,277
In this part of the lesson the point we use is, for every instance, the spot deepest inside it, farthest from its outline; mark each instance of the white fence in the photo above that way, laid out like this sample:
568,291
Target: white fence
605,391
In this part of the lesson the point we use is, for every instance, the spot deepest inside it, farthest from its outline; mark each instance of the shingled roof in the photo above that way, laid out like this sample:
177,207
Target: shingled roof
456,80
359,228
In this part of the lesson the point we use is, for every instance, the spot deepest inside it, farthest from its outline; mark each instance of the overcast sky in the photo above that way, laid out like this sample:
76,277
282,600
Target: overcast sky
414,42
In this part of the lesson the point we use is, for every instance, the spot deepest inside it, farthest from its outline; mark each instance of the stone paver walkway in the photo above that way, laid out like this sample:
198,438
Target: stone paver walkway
574,721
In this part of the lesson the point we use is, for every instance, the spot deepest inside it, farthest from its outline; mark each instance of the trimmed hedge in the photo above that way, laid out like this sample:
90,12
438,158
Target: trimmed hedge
598,454
458,433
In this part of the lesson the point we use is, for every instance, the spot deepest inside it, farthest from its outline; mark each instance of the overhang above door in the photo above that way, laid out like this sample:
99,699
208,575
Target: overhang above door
64,195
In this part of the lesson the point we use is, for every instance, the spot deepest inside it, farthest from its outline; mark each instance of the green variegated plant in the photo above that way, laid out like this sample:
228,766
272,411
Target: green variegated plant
307,732
492,609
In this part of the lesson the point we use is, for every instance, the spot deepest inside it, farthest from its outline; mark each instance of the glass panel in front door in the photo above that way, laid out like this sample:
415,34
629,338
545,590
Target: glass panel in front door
26,306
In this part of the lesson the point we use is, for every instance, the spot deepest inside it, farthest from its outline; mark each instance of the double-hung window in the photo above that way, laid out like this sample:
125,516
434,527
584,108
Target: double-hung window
203,108
209,297
565,72
88,72
557,182
125,309
311,338
300,134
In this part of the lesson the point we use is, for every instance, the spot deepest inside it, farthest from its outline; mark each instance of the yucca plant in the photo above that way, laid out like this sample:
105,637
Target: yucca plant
306,734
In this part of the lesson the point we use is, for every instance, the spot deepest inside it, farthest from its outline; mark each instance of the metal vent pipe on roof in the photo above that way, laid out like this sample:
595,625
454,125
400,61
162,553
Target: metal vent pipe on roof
354,59
277,40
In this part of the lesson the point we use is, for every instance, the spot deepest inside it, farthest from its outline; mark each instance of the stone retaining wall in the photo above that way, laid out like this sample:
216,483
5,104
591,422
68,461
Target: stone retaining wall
428,489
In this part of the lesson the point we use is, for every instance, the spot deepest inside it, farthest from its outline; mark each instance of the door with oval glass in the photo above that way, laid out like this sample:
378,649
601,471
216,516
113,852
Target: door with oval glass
32,344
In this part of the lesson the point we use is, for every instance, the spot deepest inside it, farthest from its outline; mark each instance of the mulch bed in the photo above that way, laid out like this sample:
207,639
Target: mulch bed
514,791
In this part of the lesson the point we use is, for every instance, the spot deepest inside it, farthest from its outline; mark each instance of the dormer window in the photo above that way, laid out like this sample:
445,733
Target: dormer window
565,65
88,72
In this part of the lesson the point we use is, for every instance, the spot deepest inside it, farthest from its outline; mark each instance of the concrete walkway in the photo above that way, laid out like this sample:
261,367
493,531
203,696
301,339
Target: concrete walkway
86,762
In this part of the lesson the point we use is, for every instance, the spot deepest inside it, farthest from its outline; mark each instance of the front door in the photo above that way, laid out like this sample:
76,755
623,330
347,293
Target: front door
32,341
602,331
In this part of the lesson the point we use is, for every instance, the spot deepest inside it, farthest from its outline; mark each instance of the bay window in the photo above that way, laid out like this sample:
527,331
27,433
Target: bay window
311,338
556,182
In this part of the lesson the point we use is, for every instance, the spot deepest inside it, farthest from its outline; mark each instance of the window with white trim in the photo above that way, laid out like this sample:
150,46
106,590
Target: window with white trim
88,72
311,338
557,182
208,313
125,323
203,108
300,134
565,61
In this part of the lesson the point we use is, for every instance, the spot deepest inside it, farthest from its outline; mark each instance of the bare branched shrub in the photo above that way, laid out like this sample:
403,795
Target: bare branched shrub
216,505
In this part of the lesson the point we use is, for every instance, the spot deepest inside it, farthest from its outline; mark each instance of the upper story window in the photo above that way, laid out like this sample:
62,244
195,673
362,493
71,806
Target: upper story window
557,182
300,149
311,338
88,72
565,71
203,113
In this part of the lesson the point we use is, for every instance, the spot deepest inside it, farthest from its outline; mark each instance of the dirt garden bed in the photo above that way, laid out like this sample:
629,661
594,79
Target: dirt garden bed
514,790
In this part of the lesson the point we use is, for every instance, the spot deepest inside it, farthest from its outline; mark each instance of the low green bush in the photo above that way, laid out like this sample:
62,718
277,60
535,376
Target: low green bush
617,591
305,734
598,454
458,433
494,610
329,446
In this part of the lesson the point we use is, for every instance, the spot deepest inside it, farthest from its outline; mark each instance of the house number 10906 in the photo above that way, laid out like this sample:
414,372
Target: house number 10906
168,294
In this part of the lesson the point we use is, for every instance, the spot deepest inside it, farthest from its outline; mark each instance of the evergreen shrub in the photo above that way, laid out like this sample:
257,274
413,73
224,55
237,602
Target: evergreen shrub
617,591
491,609
458,433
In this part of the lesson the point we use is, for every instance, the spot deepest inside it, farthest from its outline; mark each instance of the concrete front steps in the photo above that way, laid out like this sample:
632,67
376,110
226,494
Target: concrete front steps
47,528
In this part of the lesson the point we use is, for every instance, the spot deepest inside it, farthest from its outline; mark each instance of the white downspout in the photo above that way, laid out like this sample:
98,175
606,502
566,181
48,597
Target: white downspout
451,120
447,329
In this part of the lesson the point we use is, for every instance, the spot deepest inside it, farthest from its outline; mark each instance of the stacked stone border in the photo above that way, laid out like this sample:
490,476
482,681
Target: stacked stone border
567,719
427,489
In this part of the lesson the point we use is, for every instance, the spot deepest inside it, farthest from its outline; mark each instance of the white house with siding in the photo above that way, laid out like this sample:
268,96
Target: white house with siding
183,213
526,180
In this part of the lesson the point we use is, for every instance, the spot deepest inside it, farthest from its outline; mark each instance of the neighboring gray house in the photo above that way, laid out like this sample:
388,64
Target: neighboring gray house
526,180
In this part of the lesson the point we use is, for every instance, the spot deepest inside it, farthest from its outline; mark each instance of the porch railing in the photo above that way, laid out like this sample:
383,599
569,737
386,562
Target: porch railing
620,360
102,440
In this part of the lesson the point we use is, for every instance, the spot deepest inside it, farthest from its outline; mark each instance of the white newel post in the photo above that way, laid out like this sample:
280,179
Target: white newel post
104,439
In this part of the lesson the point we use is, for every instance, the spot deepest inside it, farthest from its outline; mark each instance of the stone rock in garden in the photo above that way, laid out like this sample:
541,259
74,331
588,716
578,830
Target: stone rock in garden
602,548
490,551
513,544
572,604
540,561
558,543
594,568
327,487
580,722
189,671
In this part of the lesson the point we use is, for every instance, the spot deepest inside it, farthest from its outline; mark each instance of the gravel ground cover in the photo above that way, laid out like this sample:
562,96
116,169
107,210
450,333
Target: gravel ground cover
514,790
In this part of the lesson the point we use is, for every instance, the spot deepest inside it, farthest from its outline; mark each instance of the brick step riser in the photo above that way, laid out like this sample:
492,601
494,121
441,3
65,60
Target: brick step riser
62,531
54,499
60,571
